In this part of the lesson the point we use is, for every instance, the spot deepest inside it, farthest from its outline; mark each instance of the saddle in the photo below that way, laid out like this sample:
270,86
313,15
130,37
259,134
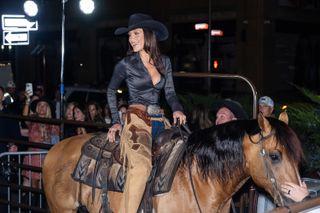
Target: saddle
100,164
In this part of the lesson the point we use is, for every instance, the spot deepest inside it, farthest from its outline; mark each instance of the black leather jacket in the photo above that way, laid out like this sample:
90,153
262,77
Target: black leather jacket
140,86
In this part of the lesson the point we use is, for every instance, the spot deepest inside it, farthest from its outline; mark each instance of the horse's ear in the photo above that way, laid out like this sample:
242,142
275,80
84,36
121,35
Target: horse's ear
284,117
264,124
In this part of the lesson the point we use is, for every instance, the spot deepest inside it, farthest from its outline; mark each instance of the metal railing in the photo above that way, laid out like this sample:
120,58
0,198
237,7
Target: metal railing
312,205
16,185
224,76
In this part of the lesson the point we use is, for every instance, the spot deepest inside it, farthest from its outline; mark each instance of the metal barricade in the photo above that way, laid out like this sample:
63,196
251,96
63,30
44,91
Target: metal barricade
21,185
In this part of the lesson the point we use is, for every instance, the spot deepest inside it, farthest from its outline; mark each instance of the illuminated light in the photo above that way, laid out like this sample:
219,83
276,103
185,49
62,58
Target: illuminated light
201,26
2,47
119,91
10,47
216,33
81,64
86,6
30,7
284,107
215,64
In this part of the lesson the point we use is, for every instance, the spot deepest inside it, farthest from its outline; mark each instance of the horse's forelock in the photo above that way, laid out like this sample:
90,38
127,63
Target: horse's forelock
288,138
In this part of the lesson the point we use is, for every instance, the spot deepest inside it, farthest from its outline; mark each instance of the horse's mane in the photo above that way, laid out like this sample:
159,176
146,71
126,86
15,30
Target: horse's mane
218,150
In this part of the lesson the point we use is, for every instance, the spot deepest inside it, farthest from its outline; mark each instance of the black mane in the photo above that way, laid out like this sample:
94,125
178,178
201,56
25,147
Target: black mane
218,150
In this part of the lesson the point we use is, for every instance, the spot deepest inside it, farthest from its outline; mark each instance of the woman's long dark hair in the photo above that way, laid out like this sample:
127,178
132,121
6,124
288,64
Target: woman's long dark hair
151,47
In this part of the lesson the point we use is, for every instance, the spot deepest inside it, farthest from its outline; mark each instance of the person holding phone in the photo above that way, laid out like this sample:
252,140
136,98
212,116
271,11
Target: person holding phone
38,133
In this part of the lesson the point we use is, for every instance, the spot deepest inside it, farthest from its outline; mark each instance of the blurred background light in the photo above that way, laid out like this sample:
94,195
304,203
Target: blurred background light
86,6
201,26
216,32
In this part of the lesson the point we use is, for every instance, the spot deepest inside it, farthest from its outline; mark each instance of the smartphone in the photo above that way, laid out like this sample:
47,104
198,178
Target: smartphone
29,89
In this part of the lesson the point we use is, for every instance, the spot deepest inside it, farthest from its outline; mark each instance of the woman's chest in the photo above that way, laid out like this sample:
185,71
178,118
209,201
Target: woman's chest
142,79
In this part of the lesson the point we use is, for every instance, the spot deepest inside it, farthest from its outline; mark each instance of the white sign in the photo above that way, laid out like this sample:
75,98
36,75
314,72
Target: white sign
15,38
18,23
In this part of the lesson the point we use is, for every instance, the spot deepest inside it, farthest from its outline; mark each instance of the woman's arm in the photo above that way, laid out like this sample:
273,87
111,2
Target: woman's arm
26,108
169,89
119,74
171,96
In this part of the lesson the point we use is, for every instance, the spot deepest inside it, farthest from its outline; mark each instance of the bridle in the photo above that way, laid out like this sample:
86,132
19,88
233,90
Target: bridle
276,192
189,164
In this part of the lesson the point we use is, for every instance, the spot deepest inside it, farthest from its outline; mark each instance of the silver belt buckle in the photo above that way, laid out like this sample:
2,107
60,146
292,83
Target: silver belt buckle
153,109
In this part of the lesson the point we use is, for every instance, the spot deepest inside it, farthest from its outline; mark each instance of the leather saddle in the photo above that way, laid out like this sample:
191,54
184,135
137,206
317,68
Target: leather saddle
100,165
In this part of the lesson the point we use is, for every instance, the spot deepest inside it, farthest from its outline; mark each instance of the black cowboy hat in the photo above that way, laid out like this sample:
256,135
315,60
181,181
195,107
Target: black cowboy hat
33,105
139,20
234,106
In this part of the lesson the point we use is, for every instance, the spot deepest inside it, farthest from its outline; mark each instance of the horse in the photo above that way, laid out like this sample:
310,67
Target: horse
216,163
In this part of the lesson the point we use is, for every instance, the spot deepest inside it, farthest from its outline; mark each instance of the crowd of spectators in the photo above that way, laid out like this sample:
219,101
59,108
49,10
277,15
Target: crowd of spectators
35,104
25,103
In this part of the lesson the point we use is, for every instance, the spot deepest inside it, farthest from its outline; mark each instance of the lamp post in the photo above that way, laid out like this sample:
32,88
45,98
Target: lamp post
209,46
87,7
209,37
63,18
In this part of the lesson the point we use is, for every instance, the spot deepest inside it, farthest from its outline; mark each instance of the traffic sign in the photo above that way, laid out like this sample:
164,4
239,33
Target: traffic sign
15,37
18,23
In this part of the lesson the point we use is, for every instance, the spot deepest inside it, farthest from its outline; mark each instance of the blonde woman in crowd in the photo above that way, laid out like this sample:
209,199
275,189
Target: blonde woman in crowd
38,133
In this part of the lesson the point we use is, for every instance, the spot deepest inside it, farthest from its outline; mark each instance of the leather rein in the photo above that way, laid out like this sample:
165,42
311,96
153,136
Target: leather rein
189,165
276,192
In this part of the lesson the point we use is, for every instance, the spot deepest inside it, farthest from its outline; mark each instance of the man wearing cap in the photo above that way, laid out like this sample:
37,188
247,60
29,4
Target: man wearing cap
11,88
266,106
228,110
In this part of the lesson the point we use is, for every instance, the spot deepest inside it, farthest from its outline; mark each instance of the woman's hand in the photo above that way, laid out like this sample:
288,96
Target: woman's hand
81,130
115,129
294,191
180,117
26,95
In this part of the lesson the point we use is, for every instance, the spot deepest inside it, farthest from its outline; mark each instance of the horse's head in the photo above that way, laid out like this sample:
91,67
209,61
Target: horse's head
272,156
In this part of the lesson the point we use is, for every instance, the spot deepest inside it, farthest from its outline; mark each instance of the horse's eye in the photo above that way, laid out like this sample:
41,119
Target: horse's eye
275,157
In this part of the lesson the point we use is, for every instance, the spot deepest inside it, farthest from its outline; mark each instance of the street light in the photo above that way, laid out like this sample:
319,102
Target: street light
87,7
30,7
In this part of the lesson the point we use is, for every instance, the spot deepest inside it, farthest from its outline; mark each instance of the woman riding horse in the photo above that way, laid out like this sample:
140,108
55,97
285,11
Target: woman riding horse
217,162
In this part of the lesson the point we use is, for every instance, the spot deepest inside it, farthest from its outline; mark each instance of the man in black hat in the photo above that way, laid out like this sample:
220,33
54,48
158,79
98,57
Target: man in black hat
228,110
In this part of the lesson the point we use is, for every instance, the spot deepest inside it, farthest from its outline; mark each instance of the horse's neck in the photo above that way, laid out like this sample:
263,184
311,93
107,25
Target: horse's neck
213,193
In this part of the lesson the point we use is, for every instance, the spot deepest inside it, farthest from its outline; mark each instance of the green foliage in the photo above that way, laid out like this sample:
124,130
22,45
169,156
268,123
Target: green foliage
305,120
313,97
